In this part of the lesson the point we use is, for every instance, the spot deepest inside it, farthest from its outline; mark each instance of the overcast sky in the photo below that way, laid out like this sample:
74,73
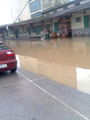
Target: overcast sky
5,12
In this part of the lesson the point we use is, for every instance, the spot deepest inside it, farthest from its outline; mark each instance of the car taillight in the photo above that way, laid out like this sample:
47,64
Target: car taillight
10,53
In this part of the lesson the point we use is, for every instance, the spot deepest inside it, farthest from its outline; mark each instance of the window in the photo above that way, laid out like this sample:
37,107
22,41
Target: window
35,6
78,19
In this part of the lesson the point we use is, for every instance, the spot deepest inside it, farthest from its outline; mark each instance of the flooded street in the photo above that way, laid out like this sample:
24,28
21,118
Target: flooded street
64,60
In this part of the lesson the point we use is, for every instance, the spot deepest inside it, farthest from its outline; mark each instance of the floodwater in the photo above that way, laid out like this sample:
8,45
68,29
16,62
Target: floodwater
64,60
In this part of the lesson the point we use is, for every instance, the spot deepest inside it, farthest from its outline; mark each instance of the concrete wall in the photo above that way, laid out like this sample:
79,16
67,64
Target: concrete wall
81,32
51,3
78,27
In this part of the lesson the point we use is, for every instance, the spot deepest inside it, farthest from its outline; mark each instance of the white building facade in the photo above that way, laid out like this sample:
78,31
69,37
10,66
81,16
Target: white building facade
37,6
80,23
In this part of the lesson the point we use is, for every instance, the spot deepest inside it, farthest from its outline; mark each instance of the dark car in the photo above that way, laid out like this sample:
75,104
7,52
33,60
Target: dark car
8,60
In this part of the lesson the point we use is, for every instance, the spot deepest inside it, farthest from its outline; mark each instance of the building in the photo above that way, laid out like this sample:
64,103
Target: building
20,10
52,3
80,22
72,18
37,6
67,20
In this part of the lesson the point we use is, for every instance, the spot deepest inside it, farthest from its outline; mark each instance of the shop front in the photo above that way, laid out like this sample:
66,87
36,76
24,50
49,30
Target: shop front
62,27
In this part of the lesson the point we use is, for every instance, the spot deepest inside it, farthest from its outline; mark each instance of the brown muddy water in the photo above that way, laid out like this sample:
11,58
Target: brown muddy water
64,60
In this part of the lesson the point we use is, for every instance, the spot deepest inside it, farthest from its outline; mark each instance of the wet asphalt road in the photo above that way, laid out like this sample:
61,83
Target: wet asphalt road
26,96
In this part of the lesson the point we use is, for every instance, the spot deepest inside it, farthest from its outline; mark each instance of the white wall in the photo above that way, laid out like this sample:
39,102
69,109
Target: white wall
77,25
50,3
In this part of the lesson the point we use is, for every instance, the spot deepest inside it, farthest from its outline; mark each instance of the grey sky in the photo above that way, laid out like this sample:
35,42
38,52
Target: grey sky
5,12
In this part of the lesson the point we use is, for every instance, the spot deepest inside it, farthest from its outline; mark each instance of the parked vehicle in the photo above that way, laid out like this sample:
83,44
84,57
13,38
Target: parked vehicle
8,60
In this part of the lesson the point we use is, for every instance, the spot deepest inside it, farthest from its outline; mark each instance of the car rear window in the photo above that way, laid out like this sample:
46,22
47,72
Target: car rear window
3,47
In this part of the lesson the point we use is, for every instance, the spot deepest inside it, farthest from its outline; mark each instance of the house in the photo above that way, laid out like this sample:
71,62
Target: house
65,20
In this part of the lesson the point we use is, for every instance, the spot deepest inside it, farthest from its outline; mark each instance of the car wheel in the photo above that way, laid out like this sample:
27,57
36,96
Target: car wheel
13,70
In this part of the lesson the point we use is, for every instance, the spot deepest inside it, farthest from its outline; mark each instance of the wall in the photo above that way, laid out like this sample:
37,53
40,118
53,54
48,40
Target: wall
78,28
46,4
51,3
77,25
35,8
40,5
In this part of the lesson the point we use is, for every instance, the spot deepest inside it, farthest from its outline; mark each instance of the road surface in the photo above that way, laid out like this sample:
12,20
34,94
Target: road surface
27,96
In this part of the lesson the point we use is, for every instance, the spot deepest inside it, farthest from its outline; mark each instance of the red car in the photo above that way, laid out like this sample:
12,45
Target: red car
8,60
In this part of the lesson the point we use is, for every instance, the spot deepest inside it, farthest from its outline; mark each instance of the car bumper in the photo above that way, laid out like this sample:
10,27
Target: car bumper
8,65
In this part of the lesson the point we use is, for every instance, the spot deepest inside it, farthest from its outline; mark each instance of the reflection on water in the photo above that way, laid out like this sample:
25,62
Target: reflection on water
83,79
66,61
